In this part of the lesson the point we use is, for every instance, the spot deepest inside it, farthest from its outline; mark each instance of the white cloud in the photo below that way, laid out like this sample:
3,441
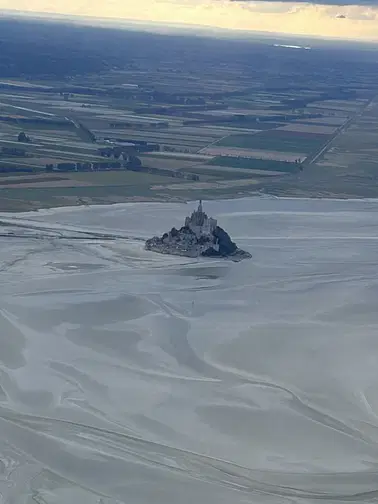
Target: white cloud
361,22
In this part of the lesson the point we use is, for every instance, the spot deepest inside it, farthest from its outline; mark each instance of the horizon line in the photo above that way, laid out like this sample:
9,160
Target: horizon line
172,27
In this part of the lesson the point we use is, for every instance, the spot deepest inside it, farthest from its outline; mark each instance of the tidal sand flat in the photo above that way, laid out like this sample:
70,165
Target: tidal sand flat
133,377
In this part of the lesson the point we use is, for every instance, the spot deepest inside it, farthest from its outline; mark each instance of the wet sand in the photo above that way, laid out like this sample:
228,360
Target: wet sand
130,377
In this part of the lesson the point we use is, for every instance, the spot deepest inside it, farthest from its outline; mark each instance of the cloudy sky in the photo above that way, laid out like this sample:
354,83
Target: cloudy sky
352,19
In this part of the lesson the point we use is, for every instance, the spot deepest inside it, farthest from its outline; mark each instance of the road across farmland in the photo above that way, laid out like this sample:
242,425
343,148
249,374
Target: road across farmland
312,160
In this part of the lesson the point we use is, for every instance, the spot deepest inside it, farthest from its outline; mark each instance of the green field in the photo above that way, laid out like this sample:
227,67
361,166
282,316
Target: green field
210,173
21,199
104,187
255,164
251,124
282,141
120,178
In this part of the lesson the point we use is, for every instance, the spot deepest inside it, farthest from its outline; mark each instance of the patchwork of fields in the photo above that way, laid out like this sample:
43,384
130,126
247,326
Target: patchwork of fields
210,128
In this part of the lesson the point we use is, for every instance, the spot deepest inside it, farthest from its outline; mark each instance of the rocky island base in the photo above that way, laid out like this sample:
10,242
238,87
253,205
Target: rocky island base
199,237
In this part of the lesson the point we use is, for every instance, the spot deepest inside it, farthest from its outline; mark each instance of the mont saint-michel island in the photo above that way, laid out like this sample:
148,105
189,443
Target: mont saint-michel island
200,236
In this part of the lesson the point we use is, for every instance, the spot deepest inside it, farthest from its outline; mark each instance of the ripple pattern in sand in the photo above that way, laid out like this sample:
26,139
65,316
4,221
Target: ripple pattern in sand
127,377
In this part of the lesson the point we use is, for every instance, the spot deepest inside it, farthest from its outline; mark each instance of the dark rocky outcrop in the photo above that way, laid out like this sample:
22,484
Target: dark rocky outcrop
200,236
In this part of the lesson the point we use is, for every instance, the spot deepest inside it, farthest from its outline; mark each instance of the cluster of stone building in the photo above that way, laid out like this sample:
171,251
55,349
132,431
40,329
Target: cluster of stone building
200,236
200,223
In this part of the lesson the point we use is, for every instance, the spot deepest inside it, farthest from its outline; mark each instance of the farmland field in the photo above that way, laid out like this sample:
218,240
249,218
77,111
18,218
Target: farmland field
228,172
308,128
281,141
216,150
255,164
215,109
